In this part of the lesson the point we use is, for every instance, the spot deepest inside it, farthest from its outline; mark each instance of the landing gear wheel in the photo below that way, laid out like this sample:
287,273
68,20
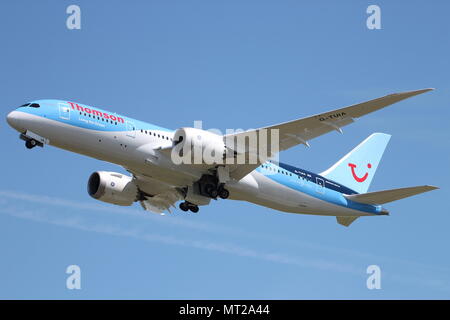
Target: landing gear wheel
184,206
194,208
224,193
211,190
213,193
30,144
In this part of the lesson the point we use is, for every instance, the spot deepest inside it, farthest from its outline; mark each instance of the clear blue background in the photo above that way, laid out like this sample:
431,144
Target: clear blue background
232,64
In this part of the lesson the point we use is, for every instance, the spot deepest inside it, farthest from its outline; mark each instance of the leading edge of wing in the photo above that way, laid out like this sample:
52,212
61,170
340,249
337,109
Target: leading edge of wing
365,107
379,103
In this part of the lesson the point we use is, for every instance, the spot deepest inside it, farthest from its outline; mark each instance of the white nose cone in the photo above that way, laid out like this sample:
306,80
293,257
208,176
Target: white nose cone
13,119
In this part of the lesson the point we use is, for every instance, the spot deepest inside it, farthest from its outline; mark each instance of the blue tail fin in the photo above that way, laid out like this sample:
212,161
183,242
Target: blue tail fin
357,168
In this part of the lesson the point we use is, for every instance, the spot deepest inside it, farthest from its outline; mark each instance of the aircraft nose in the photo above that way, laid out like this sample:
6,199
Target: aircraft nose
13,119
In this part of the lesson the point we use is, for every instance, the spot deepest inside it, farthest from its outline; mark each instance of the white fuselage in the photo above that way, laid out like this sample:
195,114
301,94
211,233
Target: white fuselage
136,150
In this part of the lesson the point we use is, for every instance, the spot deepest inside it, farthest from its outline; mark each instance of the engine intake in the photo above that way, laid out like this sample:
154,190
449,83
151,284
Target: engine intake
112,187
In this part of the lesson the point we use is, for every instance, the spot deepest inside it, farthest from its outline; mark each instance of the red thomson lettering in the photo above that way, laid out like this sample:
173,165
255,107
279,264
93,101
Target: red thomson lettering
95,112
79,108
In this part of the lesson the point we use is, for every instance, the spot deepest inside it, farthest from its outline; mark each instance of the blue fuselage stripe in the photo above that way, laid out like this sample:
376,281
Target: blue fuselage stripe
313,185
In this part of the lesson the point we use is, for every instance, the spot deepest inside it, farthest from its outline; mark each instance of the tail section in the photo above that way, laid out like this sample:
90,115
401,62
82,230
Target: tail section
356,169
385,196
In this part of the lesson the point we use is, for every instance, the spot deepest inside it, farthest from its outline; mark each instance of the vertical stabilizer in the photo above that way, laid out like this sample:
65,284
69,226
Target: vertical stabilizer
357,168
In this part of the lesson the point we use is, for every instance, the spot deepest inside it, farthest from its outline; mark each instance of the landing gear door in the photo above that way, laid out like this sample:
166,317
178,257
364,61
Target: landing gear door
64,111
131,130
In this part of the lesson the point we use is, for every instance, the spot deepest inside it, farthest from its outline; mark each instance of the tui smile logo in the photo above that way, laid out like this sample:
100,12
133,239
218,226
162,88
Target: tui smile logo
358,179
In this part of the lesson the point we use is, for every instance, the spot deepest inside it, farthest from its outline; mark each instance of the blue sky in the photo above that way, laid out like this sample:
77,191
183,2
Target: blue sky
231,64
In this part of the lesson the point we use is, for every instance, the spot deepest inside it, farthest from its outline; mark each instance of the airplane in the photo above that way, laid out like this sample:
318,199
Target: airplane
157,183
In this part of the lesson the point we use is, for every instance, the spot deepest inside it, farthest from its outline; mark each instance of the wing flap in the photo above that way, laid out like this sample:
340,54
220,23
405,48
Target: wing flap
161,202
385,196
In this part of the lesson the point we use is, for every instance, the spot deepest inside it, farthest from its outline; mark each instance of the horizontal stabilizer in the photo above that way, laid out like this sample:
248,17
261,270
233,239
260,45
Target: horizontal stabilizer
385,196
346,221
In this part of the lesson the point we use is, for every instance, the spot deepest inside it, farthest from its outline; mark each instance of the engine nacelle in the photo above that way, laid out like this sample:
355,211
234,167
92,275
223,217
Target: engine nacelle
196,146
113,187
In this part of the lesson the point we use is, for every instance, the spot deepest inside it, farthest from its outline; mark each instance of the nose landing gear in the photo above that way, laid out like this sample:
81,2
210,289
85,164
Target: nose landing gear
32,140
30,144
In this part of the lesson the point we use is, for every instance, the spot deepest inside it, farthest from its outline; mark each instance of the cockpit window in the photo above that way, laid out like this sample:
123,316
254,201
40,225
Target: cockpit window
31,105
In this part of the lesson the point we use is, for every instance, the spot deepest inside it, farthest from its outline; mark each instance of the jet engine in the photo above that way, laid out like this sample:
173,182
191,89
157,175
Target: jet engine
113,187
196,146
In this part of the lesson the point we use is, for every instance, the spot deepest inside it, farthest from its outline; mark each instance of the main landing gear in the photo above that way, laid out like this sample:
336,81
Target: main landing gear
214,191
211,191
209,186
186,206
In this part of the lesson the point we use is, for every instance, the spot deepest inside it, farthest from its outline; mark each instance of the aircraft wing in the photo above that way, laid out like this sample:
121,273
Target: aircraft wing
302,130
157,197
